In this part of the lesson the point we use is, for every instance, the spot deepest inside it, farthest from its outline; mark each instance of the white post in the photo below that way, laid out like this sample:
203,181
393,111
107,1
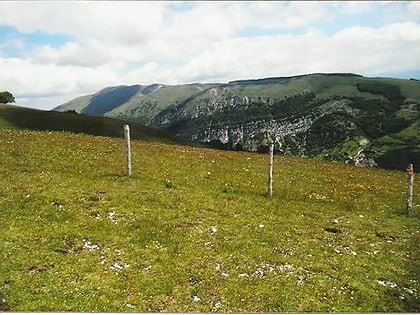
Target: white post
270,169
127,148
410,172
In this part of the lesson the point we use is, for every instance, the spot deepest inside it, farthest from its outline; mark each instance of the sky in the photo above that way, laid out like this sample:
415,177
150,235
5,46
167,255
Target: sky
54,51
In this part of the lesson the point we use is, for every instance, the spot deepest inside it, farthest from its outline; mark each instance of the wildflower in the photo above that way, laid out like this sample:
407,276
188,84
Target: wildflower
410,291
111,216
218,305
117,266
87,244
300,281
387,283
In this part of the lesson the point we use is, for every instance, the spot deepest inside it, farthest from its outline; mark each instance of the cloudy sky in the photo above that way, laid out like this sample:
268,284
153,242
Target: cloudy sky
53,51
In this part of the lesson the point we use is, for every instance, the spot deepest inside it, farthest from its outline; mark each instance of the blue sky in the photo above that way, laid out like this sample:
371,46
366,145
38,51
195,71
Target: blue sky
53,51
20,43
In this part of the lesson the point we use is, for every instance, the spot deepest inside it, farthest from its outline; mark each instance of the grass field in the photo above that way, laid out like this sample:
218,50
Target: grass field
193,231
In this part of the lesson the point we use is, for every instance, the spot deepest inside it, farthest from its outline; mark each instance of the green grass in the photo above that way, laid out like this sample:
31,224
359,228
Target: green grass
16,117
193,231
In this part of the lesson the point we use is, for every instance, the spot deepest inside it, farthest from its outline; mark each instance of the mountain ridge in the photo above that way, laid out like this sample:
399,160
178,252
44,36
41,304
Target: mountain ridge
331,116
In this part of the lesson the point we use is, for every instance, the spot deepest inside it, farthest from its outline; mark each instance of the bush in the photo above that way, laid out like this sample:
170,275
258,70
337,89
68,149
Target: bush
6,97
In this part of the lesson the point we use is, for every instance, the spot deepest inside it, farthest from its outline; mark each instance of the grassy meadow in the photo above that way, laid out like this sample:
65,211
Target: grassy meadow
193,231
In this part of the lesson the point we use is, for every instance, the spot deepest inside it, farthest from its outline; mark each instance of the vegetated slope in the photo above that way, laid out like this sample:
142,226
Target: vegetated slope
344,117
142,106
15,117
192,230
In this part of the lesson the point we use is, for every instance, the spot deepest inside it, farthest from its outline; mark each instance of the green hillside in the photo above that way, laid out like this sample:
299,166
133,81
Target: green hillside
193,231
336,116
15,117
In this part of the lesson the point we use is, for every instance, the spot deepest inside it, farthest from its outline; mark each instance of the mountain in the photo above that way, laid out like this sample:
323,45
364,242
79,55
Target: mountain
341,116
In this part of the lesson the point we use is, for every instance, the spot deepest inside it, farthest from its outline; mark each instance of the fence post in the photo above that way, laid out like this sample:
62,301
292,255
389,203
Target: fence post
270,169
127,148
410,172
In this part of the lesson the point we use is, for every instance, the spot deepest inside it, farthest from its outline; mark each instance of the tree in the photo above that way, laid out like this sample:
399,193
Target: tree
6,97
71,111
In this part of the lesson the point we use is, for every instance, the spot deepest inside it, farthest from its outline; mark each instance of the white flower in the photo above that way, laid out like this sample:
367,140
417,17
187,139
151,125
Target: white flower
300,281
213,230
387,283
195,298
284,267
117,266
410,291
102,259
111,216
87,244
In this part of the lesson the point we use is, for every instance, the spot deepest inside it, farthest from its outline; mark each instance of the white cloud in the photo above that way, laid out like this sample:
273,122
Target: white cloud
136,42
90,55
106,19
387,49
359,49
24,77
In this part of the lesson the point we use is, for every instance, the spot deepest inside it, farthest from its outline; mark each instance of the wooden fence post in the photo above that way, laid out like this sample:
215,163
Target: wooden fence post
270,169
410,172
127,148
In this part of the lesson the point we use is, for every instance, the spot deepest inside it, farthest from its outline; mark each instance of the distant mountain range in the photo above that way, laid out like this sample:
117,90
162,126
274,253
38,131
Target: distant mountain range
346,117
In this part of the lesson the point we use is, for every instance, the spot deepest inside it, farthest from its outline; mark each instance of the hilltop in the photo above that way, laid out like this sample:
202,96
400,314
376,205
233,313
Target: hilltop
341,116
193,231
17,117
